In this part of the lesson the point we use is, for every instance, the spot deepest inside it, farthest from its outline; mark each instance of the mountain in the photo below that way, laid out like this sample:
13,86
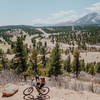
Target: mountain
42,25
89,19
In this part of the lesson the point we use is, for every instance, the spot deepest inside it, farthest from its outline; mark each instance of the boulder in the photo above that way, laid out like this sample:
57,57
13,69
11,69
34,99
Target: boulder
9,90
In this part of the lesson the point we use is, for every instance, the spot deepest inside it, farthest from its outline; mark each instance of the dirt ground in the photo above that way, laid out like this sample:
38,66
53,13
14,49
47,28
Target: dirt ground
55,94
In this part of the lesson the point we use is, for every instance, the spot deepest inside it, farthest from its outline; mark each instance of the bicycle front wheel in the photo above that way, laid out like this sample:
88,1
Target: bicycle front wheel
28,91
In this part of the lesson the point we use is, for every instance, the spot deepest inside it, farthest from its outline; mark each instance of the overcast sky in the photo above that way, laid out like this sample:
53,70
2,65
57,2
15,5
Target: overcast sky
30,12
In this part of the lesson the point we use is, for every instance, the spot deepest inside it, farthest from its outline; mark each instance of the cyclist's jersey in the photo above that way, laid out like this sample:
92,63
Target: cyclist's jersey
43,80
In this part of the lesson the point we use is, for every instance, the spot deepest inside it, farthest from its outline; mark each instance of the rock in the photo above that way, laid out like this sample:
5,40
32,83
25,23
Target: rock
9,90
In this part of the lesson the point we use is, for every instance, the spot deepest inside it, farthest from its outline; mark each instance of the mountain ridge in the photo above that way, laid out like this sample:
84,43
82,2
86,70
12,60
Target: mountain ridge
89,19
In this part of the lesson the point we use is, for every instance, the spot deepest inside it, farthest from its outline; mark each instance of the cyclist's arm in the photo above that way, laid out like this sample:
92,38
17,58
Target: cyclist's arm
40,82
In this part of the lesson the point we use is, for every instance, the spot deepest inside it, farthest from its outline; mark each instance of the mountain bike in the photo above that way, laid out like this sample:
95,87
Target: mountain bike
43,91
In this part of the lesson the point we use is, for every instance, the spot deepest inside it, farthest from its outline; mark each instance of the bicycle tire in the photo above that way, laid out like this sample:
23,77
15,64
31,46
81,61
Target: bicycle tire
42,91
28,91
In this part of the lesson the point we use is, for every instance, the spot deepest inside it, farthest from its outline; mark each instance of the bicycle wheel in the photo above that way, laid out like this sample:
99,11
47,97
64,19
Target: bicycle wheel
28,97
28,91
44,90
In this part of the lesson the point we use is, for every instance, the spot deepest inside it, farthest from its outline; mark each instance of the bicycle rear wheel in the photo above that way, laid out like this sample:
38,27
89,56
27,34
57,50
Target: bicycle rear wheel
28,91
44,90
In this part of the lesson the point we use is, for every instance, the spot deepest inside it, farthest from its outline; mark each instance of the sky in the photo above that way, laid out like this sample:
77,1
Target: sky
30,12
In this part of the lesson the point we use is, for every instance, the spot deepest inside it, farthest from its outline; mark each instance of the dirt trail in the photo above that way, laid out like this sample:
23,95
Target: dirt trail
44,33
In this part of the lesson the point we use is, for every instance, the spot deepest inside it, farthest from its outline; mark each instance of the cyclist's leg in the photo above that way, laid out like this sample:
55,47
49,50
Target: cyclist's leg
42,85
37,86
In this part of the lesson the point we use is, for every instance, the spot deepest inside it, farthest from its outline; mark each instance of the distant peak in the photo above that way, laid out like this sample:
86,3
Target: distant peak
93,13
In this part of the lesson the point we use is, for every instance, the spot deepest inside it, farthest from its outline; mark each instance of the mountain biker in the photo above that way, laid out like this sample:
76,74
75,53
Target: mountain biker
40,82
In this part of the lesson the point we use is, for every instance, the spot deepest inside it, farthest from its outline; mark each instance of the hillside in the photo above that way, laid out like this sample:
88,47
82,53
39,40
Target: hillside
15,26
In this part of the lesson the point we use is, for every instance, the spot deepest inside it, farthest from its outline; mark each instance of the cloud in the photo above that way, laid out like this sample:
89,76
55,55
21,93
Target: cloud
94,7
61,16
63,13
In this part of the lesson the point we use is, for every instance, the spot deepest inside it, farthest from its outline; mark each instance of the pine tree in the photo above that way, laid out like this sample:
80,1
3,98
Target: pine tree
92,69
45,44
87,67
98,67
34,42
39,44
43,58
3,59
55,61
20,64
1,53
67,64
33,60
76,63
82,65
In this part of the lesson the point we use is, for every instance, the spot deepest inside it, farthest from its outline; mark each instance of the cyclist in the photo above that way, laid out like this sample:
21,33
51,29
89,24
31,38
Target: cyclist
40,82
39,85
